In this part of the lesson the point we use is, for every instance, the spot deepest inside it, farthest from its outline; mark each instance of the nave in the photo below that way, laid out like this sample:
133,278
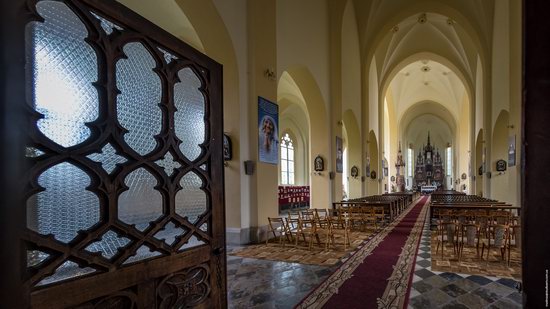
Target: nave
344,285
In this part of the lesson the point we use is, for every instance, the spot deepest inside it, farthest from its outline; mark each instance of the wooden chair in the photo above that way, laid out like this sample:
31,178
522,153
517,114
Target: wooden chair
323,230
292,223
321,213
307,229
447,233
339,228
497,238
308,214
279,229
380,214
369,218
468,236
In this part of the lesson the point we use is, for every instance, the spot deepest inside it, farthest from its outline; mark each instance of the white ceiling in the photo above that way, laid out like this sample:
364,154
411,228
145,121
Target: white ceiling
427,80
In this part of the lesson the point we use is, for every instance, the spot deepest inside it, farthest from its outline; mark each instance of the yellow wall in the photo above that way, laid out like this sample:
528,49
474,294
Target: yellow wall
354,153
262,54
337,61
463,152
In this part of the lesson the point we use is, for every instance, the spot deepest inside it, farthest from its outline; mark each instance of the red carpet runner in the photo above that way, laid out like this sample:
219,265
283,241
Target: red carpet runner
377,275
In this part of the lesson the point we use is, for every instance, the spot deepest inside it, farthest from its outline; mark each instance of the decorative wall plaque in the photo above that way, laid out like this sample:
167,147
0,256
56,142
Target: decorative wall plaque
354,171
319,164
227,148
501,166
373,174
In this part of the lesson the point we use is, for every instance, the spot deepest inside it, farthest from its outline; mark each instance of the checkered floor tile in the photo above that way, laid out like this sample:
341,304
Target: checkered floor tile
434,289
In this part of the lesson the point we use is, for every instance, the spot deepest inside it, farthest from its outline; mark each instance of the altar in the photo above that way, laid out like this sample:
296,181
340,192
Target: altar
428,172
428,189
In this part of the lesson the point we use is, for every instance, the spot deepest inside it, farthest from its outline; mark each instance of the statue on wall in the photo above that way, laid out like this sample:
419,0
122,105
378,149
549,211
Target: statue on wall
400,171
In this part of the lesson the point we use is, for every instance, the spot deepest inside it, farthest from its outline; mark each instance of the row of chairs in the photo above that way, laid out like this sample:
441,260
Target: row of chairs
309,225
488,229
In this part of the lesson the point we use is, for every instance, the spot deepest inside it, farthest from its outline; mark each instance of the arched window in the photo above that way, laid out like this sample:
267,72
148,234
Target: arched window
287,160
449,161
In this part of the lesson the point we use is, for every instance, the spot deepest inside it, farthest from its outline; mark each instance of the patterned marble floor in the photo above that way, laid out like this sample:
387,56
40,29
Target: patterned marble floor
433,289
254,283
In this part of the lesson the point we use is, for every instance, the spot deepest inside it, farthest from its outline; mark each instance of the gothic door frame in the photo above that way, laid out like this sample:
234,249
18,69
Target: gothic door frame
178,276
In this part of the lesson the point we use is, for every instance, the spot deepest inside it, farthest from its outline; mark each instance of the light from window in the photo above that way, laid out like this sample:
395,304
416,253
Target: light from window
449,161
287,160
410,157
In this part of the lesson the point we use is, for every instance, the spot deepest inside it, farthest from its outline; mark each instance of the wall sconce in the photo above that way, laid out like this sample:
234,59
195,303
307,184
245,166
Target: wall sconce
340,123
511,126
270,74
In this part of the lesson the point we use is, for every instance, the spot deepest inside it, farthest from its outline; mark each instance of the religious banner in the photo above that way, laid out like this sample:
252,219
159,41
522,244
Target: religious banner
511,150
339,155
268,131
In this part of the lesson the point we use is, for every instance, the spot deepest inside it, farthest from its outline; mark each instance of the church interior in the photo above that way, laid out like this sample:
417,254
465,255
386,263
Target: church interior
276,154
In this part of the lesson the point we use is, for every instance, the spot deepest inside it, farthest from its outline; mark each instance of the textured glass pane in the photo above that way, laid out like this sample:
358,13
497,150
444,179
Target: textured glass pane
35,257
291,178
168,164
67,270
137,105
141,203
61,68
65,207
168,57
31,152
189,117
291,166
190,200
169,233
283,153
107,25
290,154
109,244
108,158
284,167
142,253
204,227
284,178
193,242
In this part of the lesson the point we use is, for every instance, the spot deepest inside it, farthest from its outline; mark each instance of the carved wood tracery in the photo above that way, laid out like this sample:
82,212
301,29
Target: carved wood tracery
106,129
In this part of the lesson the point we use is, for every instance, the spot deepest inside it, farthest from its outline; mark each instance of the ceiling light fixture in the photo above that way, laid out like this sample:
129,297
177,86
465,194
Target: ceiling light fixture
422,18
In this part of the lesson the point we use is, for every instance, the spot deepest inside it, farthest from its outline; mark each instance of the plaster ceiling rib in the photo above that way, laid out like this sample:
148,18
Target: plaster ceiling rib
401,41
458,46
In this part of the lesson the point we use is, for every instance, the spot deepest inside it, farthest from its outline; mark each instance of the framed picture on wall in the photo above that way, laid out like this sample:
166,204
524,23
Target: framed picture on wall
268,131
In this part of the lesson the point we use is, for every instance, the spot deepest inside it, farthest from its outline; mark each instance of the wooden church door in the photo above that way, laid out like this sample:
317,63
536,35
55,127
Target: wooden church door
123,200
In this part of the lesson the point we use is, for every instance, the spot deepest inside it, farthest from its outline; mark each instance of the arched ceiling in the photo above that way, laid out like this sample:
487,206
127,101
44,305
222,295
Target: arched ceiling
424,117
427,32
427,107
471,22
417,132
427,80
288,93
